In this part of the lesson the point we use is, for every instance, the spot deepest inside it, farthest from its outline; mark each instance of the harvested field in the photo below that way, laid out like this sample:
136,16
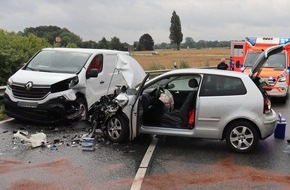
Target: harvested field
191,57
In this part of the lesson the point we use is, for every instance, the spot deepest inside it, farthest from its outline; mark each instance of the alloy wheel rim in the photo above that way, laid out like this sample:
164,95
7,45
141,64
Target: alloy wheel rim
241,137
114,128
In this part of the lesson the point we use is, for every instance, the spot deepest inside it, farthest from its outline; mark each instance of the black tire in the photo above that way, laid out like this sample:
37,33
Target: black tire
242,136
84,108
284,99
117,129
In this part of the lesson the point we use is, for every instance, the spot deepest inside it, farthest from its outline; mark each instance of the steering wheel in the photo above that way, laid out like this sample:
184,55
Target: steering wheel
158,92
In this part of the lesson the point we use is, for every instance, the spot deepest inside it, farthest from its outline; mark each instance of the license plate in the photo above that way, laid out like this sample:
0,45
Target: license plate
27,104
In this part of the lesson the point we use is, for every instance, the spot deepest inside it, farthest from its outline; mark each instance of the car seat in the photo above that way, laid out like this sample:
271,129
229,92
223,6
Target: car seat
179,118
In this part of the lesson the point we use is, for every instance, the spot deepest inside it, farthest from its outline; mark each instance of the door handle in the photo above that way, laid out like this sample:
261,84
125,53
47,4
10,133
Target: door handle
102,82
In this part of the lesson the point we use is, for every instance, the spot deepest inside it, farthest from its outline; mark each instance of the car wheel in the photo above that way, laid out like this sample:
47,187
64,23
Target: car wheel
117,129
242,136
83,108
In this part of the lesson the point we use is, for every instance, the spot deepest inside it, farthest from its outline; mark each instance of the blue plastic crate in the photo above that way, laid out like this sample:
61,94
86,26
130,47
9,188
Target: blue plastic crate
280,128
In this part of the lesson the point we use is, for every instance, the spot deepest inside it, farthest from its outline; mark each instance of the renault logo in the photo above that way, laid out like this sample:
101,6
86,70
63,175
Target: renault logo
28,86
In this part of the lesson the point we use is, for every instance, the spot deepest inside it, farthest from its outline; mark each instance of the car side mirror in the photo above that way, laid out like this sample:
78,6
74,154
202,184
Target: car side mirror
92,73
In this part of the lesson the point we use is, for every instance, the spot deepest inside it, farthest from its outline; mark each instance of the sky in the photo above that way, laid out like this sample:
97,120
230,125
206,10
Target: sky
130,19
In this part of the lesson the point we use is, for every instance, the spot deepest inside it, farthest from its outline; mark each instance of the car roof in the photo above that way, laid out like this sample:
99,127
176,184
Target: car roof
206,71
87,50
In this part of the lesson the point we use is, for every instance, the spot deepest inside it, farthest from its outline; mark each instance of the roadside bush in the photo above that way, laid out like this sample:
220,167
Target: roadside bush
184,64
155,66
2,114
16,50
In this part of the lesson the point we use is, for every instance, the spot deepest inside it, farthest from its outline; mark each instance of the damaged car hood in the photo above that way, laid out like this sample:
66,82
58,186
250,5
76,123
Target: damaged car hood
130,69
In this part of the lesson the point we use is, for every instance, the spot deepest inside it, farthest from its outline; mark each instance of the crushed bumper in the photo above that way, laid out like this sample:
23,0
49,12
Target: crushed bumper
55,110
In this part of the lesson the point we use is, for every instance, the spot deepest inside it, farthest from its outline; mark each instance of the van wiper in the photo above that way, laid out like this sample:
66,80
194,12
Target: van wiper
31,69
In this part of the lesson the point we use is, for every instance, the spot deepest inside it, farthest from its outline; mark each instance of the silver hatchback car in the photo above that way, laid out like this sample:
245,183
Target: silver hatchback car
198,103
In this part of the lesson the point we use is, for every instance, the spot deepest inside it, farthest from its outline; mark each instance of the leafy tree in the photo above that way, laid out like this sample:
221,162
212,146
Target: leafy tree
71,45
16,50
146,42
125,46
163,45
69,37
201,44
51,32
189,42
89,44
176,35
103,43
115,43
224,44
47,32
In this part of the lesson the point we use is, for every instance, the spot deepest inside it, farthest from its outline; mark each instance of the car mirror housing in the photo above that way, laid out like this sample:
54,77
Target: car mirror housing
92,73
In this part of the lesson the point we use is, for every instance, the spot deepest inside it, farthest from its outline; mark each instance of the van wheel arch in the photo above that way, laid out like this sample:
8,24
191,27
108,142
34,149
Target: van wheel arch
83,105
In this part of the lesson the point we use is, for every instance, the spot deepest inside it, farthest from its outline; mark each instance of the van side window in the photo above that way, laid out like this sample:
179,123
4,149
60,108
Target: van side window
97,63
216,85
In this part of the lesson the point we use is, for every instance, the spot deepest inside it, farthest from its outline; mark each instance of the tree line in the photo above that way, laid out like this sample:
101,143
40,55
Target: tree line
145,42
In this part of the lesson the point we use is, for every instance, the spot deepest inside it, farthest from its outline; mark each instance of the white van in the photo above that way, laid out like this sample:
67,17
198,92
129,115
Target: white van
61,84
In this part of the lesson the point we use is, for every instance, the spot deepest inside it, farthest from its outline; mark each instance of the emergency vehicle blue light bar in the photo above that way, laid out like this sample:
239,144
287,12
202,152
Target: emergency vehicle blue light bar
284,41
267,40
252,40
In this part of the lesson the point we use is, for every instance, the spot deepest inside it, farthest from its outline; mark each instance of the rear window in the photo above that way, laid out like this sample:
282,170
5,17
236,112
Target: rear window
217,85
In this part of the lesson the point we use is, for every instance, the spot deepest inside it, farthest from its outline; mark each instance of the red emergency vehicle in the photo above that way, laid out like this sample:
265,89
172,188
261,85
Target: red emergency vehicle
275,71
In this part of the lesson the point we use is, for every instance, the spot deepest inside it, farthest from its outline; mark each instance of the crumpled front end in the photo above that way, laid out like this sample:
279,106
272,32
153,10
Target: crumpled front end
52,111
131,70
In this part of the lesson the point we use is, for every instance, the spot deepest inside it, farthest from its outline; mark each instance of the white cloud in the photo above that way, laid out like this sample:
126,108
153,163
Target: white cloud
130,19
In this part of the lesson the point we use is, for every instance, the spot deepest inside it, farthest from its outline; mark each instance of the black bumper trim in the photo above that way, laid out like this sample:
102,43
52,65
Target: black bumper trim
53,111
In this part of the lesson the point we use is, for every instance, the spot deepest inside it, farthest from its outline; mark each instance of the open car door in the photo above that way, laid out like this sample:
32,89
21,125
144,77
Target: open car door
134,123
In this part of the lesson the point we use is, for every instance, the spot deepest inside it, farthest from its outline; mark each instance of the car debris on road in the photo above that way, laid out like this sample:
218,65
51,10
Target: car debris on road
35,140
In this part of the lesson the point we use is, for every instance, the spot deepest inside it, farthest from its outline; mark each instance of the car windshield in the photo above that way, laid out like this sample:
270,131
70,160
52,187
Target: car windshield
275,61
58,61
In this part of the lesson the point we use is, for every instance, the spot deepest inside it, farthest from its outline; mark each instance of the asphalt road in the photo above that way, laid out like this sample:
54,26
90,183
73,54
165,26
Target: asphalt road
177,163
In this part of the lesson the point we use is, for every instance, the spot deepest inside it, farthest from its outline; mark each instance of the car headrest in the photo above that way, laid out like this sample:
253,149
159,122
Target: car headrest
192,83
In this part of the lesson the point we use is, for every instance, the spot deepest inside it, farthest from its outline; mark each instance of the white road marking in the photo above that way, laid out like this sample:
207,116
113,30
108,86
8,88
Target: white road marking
136,185
7,120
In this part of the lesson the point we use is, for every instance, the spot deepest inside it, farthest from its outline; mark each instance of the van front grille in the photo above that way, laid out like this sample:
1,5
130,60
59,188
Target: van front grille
34,93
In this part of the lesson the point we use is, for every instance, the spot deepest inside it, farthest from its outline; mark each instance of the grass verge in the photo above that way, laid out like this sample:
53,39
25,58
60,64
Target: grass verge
3,116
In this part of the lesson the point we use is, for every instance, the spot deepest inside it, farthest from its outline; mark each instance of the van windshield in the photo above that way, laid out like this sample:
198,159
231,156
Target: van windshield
275,61
58,61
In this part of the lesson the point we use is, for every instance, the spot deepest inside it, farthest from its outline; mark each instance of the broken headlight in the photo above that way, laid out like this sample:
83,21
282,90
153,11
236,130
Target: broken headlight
64,85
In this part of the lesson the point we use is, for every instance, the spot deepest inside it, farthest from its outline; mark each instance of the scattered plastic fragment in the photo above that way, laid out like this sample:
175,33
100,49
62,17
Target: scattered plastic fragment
52,147
36,140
